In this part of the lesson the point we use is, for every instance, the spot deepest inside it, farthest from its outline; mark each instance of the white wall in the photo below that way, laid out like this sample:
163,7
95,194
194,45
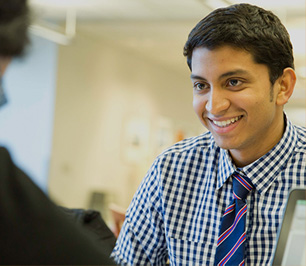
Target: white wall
26,121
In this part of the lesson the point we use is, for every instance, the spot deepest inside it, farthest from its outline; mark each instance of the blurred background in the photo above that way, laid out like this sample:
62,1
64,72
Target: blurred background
104,88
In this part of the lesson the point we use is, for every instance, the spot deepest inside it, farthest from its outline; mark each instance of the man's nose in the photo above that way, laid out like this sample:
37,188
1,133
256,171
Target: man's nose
217,101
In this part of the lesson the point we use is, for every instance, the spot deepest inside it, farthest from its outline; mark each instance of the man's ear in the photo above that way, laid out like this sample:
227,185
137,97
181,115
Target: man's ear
286,85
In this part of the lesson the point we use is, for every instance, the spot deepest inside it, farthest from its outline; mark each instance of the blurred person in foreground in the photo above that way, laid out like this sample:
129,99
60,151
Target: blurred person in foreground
242,73
33,230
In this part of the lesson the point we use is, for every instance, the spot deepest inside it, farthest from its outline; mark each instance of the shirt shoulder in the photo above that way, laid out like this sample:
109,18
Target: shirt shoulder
301,139
173,164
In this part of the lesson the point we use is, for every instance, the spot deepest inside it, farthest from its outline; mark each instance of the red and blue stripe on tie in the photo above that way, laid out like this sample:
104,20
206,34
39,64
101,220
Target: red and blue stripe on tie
232,235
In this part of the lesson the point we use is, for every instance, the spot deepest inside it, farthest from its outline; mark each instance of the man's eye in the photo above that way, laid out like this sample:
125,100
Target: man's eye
199,86
234,82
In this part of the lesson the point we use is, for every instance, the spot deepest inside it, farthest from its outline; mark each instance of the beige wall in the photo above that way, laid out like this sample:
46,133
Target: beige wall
102,89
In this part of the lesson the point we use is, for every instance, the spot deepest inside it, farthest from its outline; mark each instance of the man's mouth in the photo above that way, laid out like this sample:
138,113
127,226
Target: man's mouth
226,123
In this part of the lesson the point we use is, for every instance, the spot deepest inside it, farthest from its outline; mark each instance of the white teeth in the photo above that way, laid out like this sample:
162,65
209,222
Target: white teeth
225,123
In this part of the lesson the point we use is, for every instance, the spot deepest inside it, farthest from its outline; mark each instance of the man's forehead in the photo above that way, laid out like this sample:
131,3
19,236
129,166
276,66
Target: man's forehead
224,60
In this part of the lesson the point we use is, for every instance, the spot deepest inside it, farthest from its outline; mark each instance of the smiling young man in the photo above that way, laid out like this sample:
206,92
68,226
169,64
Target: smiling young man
187,209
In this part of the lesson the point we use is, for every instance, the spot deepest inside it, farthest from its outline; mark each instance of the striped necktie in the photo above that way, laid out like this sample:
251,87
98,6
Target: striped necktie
230,245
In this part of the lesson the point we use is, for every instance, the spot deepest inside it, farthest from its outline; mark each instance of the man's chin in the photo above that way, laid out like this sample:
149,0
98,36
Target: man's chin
225,144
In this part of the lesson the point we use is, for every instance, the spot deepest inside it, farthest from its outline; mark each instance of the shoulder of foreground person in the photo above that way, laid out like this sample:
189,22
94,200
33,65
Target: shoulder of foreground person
32,228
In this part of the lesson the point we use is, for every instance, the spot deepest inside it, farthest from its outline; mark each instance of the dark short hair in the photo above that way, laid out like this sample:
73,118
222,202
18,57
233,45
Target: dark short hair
248,27
14,22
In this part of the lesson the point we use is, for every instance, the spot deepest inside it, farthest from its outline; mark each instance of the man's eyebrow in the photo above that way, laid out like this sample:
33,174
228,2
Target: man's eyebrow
224,75
234,72
192,76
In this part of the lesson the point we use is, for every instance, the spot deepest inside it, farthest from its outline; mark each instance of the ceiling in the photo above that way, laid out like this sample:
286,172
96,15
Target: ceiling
154,9
155,28
139,16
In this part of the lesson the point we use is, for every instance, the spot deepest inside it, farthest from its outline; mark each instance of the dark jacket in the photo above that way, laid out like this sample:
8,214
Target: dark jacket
33,230
92,221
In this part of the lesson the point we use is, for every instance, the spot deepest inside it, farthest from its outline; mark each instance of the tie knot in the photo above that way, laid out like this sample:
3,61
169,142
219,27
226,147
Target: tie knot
241,186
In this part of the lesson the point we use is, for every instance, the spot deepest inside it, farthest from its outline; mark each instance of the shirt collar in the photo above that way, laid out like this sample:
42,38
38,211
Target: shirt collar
263,171
225,168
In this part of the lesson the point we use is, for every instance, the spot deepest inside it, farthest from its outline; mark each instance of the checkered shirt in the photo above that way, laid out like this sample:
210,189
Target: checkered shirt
176,211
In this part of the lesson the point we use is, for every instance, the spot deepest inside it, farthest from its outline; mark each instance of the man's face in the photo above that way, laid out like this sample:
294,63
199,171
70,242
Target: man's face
233,100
